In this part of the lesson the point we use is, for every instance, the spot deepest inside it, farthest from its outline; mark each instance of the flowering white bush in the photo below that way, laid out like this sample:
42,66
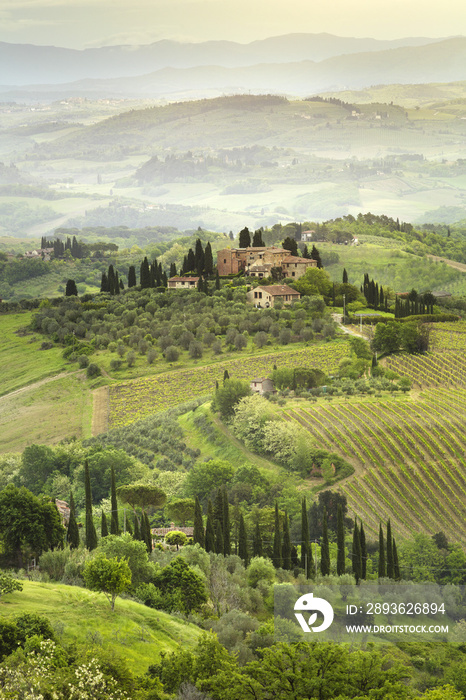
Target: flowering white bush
43,674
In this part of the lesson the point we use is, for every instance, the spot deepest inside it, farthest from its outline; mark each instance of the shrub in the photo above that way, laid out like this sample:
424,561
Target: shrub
148,594
83,361
171,354
93,370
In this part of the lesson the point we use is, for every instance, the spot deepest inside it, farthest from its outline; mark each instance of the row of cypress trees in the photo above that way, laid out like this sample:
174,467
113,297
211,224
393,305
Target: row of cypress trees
217,536
199,260
141,531
374,294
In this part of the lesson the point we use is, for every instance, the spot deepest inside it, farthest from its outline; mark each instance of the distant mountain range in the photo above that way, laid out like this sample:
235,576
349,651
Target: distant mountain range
298,64
24,64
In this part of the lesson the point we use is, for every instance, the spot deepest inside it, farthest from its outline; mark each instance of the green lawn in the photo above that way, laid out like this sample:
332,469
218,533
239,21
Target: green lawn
21,358
46,413
135,631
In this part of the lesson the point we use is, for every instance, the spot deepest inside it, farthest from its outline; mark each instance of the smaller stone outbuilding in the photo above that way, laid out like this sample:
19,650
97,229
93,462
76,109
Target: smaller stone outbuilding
183,282
263,386
159,533
265,297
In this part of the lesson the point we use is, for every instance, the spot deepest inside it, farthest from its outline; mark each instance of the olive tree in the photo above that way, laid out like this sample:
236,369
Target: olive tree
108,576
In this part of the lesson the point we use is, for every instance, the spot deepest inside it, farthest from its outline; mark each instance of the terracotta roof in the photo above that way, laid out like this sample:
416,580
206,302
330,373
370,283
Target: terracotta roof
295,259
183,279
278,289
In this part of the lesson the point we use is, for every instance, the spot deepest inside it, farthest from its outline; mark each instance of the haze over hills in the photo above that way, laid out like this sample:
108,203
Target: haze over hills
27,63
441,61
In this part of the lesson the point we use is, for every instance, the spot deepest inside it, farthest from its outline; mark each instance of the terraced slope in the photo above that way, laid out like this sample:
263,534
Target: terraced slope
409,452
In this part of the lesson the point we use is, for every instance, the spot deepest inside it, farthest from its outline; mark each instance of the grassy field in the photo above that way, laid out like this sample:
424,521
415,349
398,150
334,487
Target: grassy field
41,400
46,412
224,445
135,631
21,357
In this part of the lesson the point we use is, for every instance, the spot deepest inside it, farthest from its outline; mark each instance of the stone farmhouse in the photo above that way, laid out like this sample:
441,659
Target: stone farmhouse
258,262
183,282
263,386
264,297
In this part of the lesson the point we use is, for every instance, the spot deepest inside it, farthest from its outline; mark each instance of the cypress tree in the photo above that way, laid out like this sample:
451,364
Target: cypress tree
257,542
226,375
294,557
72,534
131,276
199,257
277,547
306,552
198,532
208,260
191,261
117,283
71,289
244,238
362,538
243,541
218,508
217,280
147,533
173,269
340,542
345,276
390,567
111,279
103,525
315,255
114,527
306,253
324,547
91,535
218,537
382,571
209,531
104,282
356,553
286,547
396,565
144,274
226,524
257,241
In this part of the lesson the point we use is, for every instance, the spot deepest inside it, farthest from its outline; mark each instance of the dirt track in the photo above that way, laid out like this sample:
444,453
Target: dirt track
100,410
450,263
36,385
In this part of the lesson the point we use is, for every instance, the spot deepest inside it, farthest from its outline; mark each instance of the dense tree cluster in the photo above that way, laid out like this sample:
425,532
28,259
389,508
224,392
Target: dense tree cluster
182,320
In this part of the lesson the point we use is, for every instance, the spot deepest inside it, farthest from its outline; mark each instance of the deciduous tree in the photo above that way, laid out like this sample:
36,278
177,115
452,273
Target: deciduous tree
112,577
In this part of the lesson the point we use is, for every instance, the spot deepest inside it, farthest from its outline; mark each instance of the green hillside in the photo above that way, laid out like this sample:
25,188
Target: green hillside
79,615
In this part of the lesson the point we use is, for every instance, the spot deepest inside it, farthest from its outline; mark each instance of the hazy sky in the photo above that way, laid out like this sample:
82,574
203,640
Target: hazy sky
83,23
